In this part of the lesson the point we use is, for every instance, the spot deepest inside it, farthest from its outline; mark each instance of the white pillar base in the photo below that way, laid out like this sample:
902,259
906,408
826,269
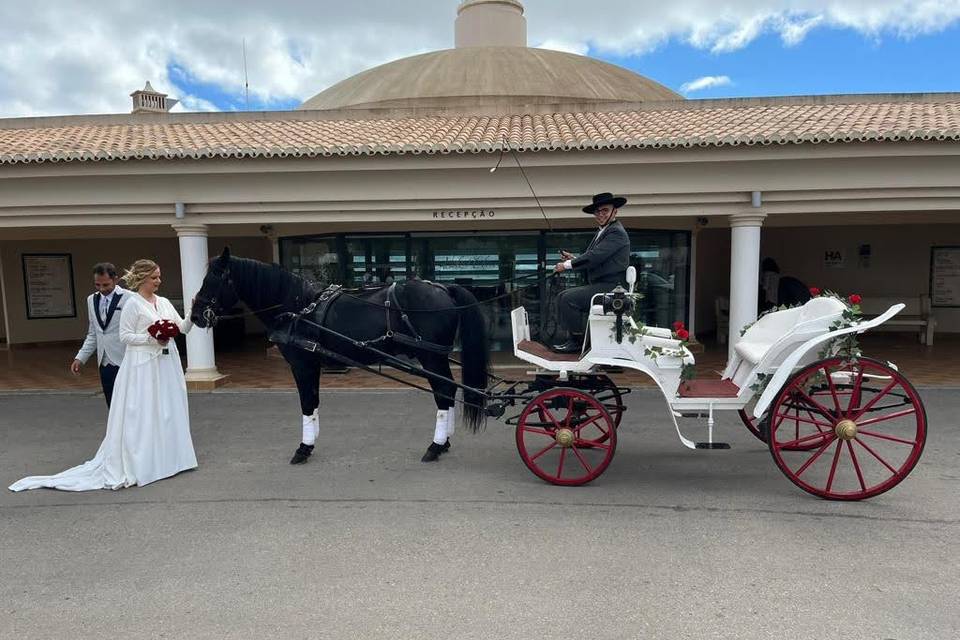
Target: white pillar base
205,379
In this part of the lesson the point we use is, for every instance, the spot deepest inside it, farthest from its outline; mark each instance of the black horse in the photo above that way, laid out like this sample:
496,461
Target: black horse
434,313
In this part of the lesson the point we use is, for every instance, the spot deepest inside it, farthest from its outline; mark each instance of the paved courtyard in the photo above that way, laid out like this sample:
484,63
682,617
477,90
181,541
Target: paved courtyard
367,542
257,366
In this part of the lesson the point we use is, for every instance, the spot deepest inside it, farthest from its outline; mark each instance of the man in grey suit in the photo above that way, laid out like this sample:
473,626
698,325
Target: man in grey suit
103,336
605,260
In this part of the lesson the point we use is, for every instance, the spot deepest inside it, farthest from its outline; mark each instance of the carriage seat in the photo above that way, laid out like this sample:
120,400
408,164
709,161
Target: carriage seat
788,326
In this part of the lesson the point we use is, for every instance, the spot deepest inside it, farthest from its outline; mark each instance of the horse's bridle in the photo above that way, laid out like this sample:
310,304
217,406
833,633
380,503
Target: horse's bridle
209,314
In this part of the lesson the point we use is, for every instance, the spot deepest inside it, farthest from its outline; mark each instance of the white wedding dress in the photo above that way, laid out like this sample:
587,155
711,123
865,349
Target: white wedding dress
148,427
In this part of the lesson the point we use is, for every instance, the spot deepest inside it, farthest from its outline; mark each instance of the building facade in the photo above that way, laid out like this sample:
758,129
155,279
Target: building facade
388,174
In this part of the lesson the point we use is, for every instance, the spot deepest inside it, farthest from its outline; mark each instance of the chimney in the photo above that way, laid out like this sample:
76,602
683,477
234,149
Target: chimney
147,100
490,23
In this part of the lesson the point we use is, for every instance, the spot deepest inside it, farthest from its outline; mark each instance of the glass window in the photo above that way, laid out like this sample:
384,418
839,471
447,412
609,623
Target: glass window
312,258
375,260
490,266
662,260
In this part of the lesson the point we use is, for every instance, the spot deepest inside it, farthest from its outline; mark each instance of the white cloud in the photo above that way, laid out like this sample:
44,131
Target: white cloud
75,56
794,31
706,82
193,103
579,48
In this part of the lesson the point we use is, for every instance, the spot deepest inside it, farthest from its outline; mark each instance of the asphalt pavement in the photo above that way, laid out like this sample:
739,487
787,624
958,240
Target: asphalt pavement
365,541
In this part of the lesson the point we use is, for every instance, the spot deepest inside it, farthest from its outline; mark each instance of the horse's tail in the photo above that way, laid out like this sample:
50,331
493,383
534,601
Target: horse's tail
473,342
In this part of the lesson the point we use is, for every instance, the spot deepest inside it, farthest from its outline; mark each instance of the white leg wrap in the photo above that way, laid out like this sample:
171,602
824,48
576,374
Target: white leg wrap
440,432
310,429
451,420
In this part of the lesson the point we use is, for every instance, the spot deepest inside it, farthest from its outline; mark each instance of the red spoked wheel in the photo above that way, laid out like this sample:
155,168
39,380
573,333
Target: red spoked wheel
612,400
752,424
847,430
566,436
757,427
609,395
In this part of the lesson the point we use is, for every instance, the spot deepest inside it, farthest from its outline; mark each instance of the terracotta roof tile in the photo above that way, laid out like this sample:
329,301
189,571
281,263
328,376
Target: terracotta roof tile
649,128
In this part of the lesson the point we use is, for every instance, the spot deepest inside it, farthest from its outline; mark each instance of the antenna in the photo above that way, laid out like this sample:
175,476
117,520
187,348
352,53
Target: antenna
246,83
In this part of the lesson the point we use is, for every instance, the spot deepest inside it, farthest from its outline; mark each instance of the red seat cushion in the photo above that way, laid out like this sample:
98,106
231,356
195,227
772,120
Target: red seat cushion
542,351
708,389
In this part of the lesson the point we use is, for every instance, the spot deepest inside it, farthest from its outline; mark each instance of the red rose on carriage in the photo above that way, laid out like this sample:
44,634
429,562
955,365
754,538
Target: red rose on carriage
814,291
682,333
678,325
855,298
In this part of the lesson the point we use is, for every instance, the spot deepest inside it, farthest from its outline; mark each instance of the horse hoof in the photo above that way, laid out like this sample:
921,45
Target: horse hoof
434,451
446,446
302,454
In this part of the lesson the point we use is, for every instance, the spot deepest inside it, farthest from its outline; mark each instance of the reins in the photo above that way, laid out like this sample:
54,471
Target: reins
462,306
234,316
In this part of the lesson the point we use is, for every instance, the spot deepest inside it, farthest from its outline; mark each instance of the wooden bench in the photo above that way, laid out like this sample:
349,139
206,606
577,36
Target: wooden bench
916,316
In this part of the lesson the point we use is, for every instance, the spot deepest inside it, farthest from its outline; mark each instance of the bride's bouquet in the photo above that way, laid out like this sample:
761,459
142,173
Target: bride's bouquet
163,330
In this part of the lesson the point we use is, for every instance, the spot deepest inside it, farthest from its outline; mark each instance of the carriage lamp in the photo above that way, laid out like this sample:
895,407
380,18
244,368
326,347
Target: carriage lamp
618,303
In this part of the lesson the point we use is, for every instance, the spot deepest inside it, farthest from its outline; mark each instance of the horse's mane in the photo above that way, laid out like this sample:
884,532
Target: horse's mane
263,285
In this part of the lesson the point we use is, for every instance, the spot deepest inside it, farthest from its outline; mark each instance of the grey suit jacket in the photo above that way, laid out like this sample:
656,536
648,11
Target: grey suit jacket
100,341
607,258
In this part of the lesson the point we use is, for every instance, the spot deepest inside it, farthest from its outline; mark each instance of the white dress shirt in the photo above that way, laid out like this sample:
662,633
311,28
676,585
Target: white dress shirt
105,301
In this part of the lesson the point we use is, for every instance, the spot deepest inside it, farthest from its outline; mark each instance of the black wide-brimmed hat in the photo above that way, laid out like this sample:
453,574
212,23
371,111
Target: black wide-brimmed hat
604,198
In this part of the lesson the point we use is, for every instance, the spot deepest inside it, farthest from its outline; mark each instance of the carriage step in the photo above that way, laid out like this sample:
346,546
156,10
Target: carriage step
712,445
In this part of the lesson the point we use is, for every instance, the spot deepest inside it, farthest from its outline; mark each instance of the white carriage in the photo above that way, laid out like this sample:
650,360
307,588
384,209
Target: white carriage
840,426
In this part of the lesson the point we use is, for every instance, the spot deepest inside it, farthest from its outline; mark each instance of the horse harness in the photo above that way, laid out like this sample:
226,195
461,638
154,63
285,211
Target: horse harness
321,306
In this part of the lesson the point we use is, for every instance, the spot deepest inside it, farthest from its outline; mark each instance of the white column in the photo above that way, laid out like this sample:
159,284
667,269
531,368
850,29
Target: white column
6,309
692,287
274,239
201,364
744,272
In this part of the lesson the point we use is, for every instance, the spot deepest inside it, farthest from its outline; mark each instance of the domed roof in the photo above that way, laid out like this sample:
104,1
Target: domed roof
484,76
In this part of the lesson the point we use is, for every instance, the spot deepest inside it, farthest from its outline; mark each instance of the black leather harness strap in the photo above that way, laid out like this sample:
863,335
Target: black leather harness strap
320,307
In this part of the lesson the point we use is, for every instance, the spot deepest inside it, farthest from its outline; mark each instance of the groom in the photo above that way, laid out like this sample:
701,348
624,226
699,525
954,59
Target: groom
103,336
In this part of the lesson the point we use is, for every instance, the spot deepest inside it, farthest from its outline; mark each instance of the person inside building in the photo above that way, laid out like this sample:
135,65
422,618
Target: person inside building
605,262
769,284
777,289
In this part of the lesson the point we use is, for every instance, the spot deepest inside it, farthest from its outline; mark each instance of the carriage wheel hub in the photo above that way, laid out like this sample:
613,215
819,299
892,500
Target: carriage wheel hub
846,429
565,437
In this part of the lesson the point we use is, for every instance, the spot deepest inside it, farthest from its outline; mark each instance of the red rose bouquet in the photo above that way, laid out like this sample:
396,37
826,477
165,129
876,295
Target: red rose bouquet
163,330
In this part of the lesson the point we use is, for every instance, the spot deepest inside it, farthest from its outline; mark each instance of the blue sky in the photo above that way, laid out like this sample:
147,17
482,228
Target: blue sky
296,48
187,84
827,61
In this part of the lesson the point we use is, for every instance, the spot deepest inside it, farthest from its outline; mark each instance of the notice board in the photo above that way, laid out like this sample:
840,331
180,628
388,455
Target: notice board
48,285
945,276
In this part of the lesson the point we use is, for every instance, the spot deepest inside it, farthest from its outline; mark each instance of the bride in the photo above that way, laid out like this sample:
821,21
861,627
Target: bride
148,427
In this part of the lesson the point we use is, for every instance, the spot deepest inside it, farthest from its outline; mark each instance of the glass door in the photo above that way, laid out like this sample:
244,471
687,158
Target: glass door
374,260
312,258
494,268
